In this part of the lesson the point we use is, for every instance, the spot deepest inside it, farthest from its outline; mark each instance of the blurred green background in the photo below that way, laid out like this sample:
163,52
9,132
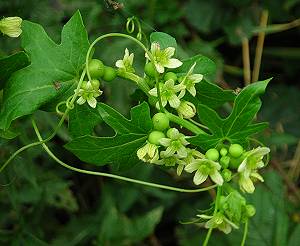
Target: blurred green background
41,203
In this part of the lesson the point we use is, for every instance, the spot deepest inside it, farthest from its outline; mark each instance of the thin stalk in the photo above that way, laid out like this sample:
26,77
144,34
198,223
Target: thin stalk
219,192
186,124
245,233
51,154
161,108
246,61
198,124
259,46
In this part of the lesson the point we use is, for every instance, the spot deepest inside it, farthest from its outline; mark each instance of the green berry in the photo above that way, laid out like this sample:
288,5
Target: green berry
224,161
109,74
223,151
236,150
226,174
155,136
84,85
212,154
235,162
95,84
170,75
96,68
150,70
160,122
250,210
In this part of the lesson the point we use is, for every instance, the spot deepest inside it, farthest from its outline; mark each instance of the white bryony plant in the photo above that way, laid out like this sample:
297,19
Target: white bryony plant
162,57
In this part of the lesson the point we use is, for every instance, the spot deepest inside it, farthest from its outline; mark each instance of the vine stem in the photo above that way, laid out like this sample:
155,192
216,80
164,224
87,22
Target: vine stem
55,130
51,154
246,60
245,233
219,192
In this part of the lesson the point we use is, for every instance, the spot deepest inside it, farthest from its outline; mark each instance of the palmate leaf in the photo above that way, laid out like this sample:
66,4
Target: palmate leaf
33,87
130,135
237,127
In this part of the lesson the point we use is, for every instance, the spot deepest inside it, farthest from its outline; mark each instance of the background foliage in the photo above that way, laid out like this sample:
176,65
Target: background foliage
42,203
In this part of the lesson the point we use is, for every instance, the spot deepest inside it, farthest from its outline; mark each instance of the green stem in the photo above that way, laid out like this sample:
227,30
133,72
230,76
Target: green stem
50,153
137,79
219,192
198,124
186,124
161,108
245,233
113,35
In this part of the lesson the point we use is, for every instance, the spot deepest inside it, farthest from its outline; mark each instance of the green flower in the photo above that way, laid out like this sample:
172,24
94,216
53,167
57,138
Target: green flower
148,153
11,26
87,93
186,110
168,93
162,58
126,63
246,179
205,168
175,143
219,221
191,79
192,154
248,168
167,160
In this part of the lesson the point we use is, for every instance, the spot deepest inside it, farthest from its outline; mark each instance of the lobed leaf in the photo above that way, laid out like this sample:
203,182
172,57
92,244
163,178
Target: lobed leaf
34,86
130,135
237,127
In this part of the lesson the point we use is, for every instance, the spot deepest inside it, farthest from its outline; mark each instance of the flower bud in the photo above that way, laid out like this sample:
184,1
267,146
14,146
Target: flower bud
226,174
250,210
186,110
11,26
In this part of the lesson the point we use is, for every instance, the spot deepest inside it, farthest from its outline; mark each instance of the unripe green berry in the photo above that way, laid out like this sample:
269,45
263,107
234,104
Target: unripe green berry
155,136
160,122
223,151
96,68
226,174
212,154
250,210
235,150
170,132
170,75
224,161
109,74
235,162
95,84
84,85
150,70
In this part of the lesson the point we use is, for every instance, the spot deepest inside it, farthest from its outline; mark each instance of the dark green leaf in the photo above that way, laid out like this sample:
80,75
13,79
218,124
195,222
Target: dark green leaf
8,134
130,135
82,120
210,95
34,86
165,40
10,64
295,236
237,126
204,65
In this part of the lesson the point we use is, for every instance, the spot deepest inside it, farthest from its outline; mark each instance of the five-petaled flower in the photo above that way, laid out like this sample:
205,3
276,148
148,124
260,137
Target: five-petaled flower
168,93
249,166
219,221
87,93
126,63
162,58
190,80
204,168
175,143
